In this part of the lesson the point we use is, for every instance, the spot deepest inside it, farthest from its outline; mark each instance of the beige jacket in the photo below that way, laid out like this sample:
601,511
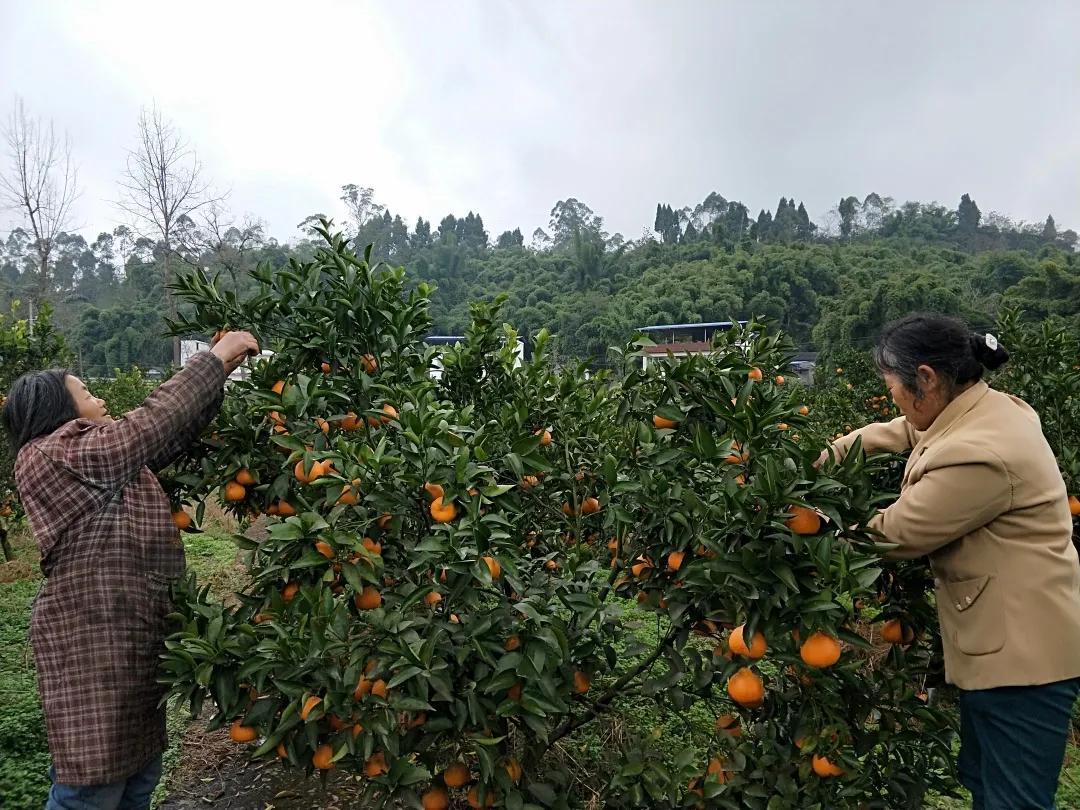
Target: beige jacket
983,497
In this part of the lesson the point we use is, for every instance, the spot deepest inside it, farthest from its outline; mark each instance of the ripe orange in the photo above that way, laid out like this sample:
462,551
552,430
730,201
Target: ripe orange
590,506
370,363
318,470
716,769
757,647
285,509
309,706
278,387
457,775
512,644
755,374
435,799
181,519
823,768
289,592
473,798
675,560
779,379
323,759
349,496
493,567
384,520
245,478
820,650
433,490
363,688
322,425
325,549
729,724
803,520
581,682
1074,506
529,481
351,422
782,426
894,632
441,513
372,547
369,598
641,567
746,689
378,688
376,765
663,423
432,598
281,752
567,509
241,733
545,437
513,769
324,367
551,565
389,413
235,491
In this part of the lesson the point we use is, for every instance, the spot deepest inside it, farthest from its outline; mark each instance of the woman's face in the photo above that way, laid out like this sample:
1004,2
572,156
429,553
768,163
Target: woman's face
920,411
86,404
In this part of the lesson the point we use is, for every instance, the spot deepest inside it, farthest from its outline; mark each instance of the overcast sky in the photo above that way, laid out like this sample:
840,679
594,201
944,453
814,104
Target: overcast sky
506,107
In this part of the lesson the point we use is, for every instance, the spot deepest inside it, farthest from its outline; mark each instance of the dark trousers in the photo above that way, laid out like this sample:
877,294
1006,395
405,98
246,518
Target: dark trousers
133,793
1012,743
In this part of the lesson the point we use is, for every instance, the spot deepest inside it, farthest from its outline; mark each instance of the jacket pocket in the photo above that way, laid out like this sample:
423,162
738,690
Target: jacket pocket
974,614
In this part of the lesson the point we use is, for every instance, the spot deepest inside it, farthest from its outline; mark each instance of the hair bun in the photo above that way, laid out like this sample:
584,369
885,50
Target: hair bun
988,351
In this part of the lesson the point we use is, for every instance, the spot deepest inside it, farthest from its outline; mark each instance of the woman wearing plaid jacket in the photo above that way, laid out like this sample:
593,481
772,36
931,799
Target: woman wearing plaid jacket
109,553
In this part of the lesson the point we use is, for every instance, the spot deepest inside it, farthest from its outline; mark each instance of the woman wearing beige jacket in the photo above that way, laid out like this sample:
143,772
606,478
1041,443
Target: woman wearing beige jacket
982,496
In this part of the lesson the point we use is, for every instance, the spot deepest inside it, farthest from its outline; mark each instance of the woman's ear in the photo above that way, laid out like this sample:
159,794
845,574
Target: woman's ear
928,379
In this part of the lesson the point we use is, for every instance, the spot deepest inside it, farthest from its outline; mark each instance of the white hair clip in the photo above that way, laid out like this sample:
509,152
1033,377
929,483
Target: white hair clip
991,342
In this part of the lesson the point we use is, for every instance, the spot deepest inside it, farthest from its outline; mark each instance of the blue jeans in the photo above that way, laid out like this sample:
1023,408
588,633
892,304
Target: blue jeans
132,793
1012,743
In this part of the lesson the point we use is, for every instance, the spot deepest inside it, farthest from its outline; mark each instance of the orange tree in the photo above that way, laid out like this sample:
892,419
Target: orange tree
448,592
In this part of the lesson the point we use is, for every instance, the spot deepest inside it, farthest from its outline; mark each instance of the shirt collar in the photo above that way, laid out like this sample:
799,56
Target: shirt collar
954,410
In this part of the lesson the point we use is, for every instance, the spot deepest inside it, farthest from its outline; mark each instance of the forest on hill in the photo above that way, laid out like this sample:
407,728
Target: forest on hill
830,284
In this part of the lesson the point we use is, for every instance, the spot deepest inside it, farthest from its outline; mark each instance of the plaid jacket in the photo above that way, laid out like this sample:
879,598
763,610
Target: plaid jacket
109,551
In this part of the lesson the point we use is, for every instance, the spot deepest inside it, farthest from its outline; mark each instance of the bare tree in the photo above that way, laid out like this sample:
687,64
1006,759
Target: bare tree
219,238
163,184
41,183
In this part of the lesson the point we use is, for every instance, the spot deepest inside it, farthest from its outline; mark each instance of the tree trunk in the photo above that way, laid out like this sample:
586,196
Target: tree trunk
9,555
172,306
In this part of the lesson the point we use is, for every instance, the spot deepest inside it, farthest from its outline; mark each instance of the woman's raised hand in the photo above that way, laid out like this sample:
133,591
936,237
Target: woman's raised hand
233,347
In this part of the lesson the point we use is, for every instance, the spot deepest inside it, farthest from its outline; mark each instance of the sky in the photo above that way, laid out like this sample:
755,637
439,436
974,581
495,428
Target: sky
505,107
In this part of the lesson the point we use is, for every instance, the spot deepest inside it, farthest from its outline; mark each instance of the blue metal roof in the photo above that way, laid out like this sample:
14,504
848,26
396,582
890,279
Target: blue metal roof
709,325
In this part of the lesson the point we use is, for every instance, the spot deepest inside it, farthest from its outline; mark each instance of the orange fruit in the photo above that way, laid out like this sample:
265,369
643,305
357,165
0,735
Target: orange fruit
779,379
590,506
181,519
433,490
363,688
235,491
746,689
245,478
457,775
729,724
369,598
241,733
278,387
435,799
318,470
513,769
349,496
325,549
1074,506
545,437
473,798
675,560
716,769
285,509
389,413
441,513
823,768
384,520
281,752
378,688
641,567
839,371
324,367
376,765
894,632
551,565
567,509
757,647
372,547
512,644
309,706
804,411
493,567
755,374
370,363
663,423
322,425
782,426
803,520
323,758
289,592
820,650
581,682
351,422
432,598
529,481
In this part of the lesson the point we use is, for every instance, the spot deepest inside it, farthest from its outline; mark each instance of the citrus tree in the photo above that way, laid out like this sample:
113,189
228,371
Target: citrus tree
457,571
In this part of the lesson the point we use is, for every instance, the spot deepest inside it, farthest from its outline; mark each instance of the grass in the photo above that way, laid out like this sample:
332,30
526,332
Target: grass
24,753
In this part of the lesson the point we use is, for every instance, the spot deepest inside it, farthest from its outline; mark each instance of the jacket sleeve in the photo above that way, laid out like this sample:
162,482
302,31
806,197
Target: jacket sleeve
177,444
879,437
110,454
964,489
